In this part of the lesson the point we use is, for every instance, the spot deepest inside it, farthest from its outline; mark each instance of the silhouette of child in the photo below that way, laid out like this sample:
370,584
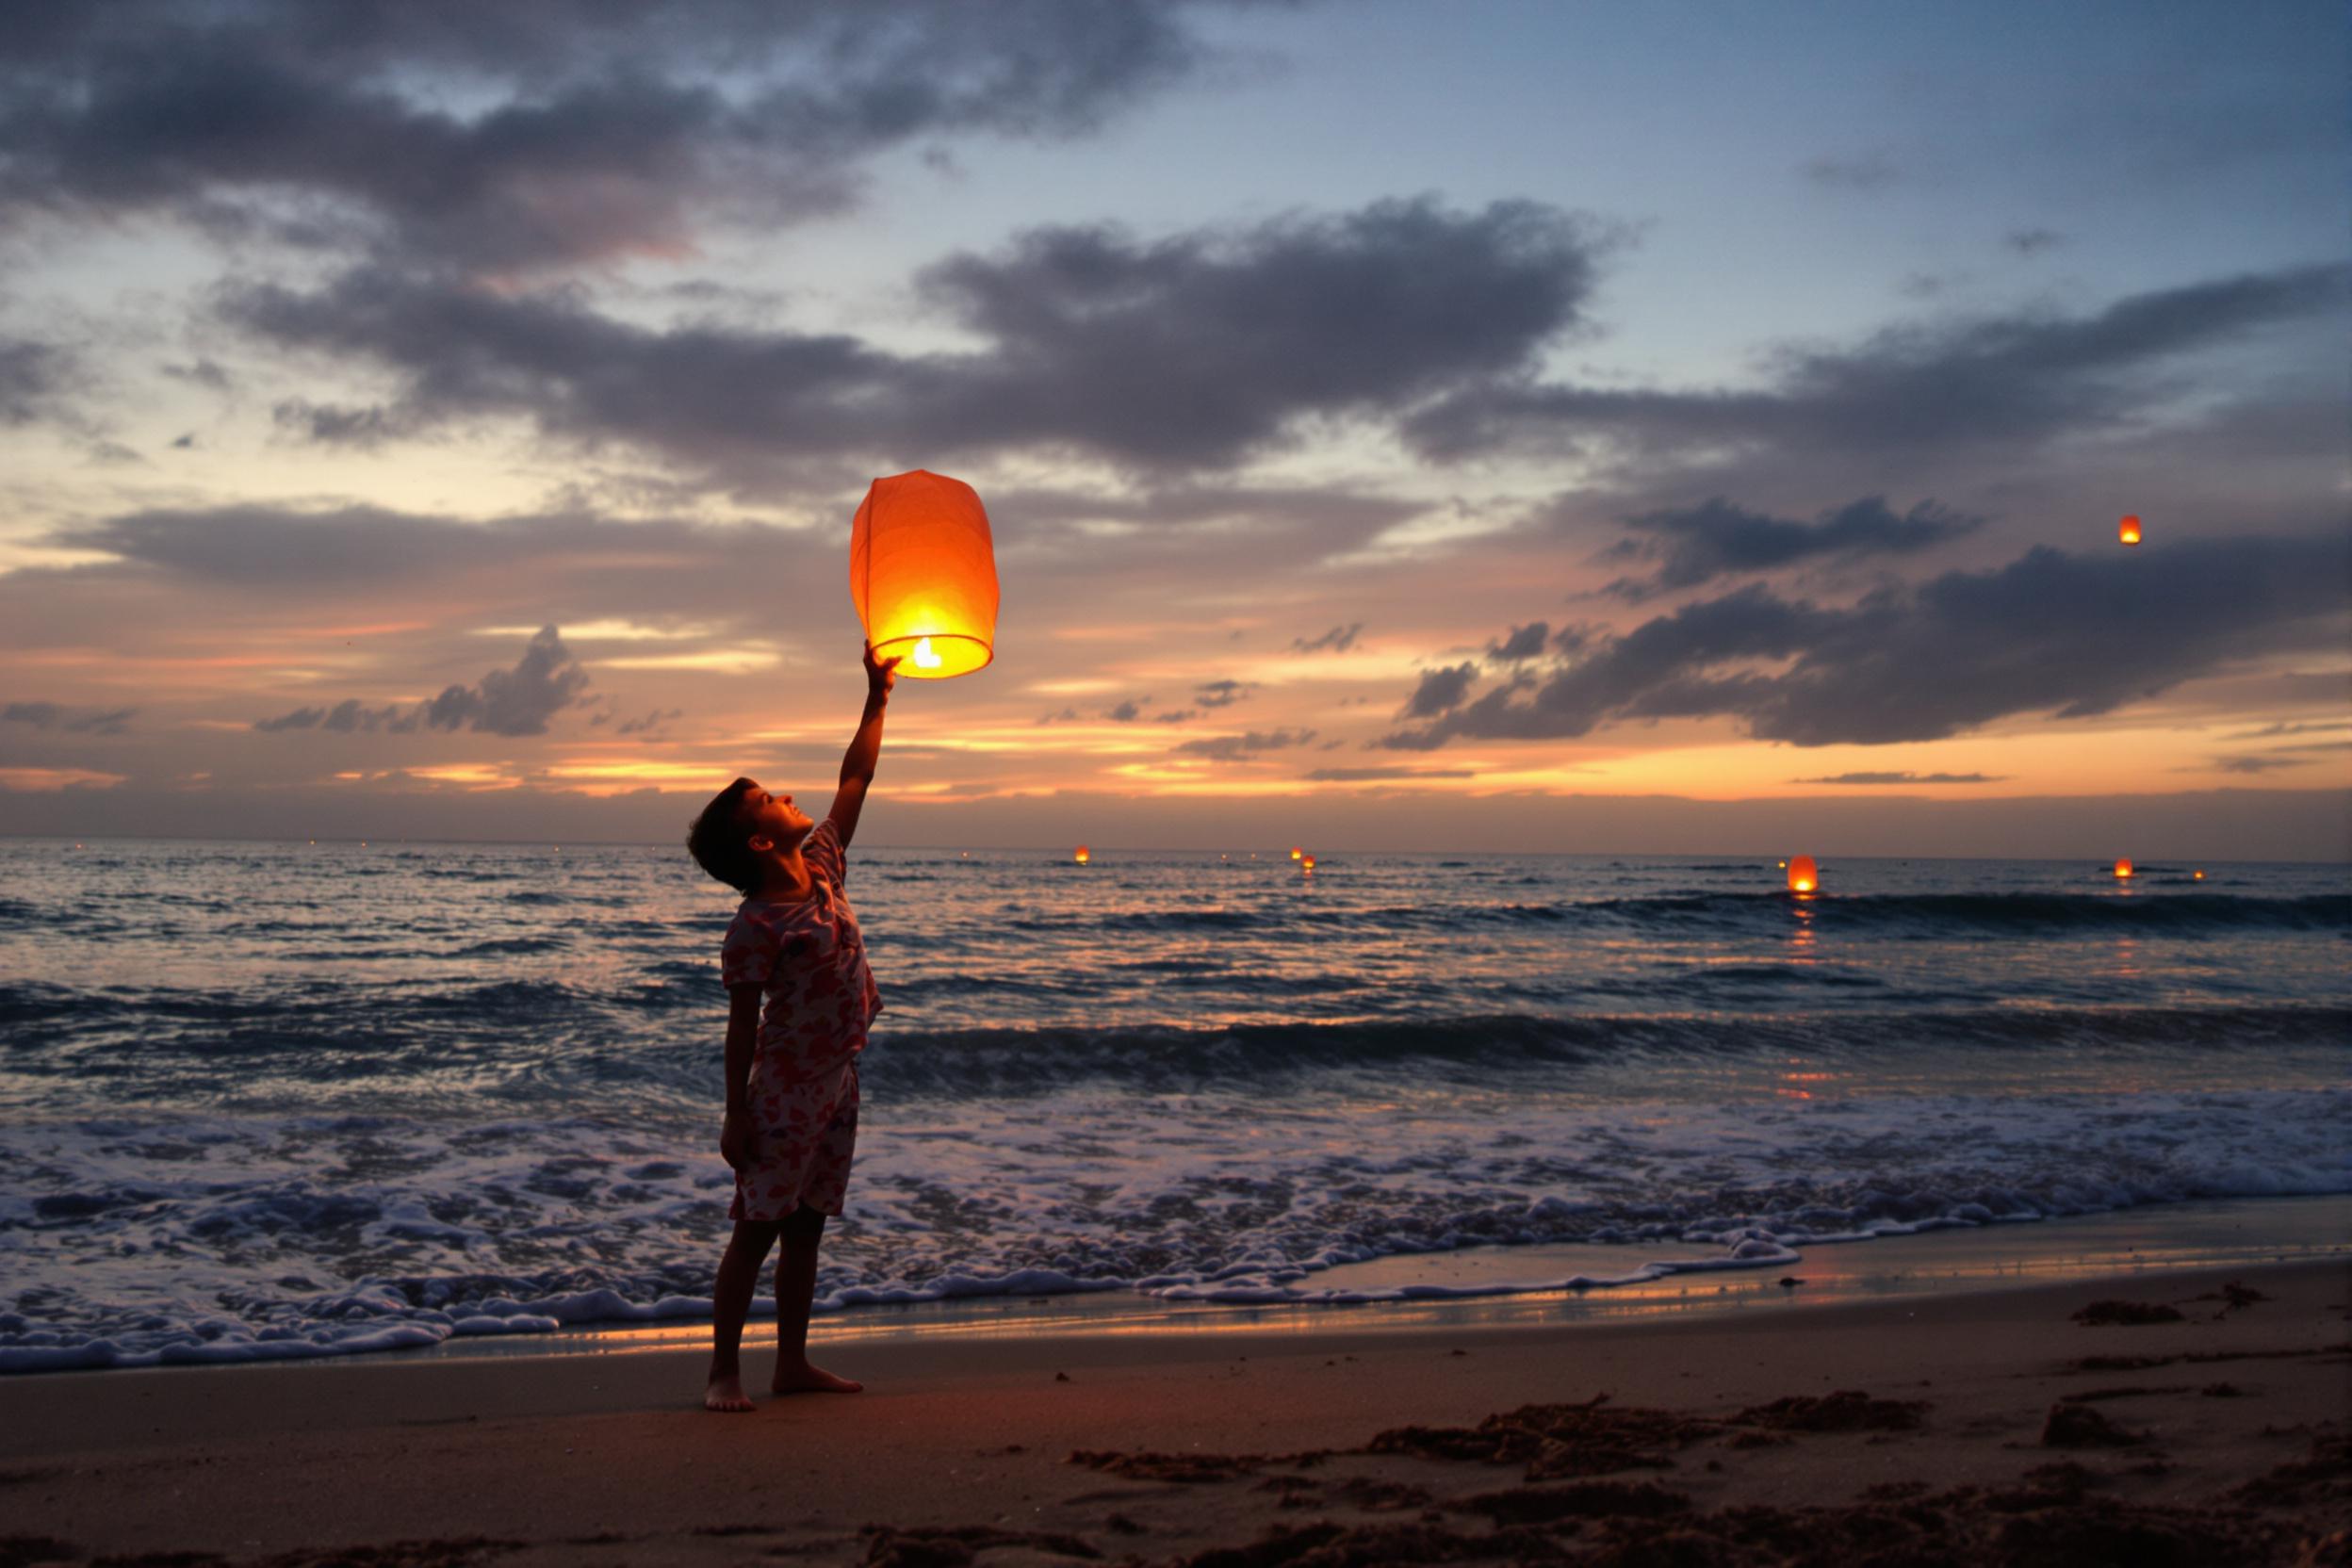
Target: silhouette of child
791,1064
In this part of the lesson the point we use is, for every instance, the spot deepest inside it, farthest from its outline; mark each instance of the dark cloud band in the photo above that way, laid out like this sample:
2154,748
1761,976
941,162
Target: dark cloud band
2049,633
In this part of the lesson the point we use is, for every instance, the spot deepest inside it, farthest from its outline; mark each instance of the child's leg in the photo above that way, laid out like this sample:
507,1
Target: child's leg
731,1304
795,1287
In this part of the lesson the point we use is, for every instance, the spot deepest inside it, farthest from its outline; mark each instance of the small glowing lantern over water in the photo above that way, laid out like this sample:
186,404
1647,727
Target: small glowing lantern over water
1306,862
1803,876
1082,854
2196,876
922,574
1296,852
2129,530
2123,871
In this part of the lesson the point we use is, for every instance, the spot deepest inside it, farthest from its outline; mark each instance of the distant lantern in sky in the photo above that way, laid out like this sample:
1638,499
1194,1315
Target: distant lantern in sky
1803,876
1306,862
2196,876
922,574
2123,869
2129,530
1296,852
1082,856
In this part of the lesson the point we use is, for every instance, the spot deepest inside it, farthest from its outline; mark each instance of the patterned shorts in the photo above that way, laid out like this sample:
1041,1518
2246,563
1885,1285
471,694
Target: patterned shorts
807,1133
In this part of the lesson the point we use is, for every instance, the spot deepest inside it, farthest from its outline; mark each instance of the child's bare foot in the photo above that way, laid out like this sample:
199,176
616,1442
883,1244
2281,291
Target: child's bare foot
806,1379
727,1394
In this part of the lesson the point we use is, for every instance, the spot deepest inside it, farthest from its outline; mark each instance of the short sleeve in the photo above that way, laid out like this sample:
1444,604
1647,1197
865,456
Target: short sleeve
747,957
821,849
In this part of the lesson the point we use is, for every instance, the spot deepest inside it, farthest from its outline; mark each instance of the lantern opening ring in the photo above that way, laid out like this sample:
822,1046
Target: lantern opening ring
955,654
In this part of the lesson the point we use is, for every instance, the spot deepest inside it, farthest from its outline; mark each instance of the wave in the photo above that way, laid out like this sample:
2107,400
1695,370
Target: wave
546,1031
314,1236
971,1063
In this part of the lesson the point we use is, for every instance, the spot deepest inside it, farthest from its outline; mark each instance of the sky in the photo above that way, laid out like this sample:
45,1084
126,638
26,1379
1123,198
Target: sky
1484,427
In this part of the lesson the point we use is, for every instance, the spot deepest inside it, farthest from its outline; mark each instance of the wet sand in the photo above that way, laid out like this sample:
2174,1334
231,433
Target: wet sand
1980,1428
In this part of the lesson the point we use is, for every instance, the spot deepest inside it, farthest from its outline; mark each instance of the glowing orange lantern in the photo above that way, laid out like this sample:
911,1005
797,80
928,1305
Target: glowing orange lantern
1081,857
1803,876
922,574
1306,862
2194,876
2123,868
1296,852
2129,530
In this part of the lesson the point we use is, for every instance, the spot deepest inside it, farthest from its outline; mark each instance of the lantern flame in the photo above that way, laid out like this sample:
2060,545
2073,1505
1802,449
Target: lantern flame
2129,530
1804,875
925,657
2123,869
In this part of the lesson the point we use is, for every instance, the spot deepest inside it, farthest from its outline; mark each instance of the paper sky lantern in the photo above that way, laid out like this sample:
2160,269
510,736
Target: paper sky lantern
1803,876
2129,530
1306,862
1296,853
922,574
2194,876
2123,868
1081,857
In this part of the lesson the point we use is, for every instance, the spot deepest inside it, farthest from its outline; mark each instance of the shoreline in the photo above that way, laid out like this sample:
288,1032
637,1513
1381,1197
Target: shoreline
1114,1438
1502,1286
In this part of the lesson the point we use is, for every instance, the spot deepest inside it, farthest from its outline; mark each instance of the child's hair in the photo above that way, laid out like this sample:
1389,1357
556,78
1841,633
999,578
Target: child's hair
718,842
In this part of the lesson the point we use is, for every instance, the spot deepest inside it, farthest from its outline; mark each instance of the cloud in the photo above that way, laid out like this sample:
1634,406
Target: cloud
1193,351
1868,172
520,701
1694,545
1439,690
2021,381
32,376
346,717
2054,633
1338,640
1222,694
2027,242
2251,764
1522,643
1903,778
647,723
1127,712
2300,726
70,721
491,140
1364,776
1238,748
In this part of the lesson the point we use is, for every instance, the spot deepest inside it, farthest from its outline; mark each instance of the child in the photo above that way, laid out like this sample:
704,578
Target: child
792,1069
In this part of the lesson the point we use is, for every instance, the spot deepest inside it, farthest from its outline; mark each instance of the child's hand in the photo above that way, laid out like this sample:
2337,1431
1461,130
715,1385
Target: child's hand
880,677
738,1138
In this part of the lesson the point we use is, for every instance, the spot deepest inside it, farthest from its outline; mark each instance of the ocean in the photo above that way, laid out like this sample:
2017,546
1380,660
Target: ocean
286,1100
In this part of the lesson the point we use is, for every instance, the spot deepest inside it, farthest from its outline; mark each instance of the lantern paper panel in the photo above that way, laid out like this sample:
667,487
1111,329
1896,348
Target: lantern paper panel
1803,876
922,575
2128,531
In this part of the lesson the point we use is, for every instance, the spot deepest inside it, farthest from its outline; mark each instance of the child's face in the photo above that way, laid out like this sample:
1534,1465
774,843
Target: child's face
771,821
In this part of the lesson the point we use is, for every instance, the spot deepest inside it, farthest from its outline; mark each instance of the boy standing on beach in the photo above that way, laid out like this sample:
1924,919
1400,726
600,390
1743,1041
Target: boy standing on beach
791,1065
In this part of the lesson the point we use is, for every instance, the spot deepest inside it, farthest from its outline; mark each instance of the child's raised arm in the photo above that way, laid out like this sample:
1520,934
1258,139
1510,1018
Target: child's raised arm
865,747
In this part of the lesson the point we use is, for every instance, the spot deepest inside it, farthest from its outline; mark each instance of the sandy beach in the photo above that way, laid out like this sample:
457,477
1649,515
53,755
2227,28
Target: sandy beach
1993,1426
